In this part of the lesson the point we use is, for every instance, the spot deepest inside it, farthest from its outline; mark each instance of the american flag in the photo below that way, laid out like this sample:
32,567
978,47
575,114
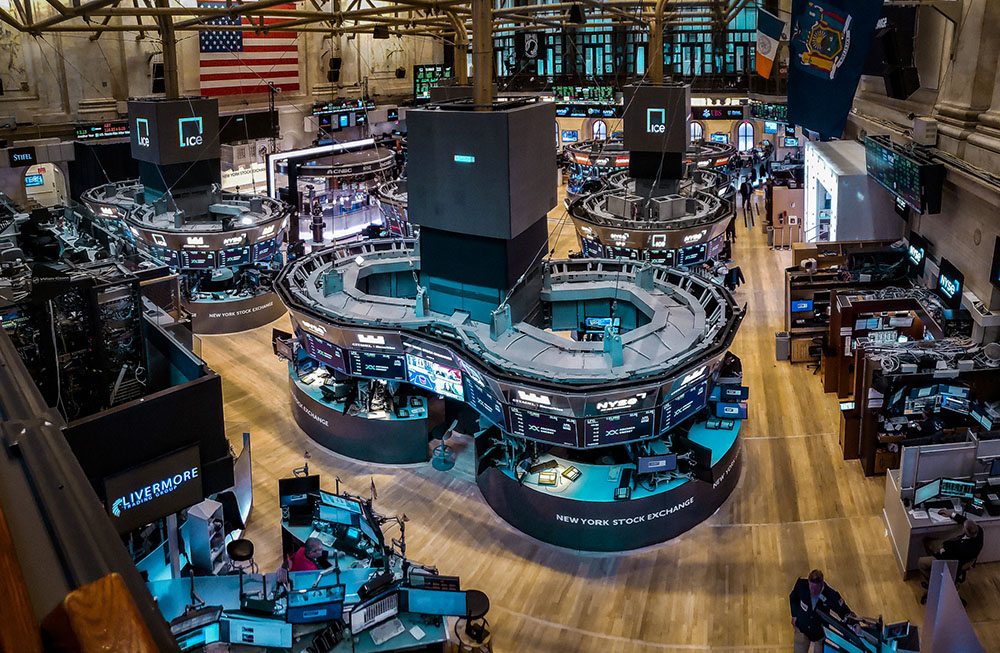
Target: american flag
237,63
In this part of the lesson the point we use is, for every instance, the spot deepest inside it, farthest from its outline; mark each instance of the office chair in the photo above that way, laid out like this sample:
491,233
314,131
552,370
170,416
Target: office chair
443,457
816,353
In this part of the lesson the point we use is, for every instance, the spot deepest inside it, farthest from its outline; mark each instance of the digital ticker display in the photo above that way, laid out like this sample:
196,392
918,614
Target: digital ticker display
435,377
377,366
168,256
683,405
235,256
539,426
691,254
197,259
325,352
265,249
616,429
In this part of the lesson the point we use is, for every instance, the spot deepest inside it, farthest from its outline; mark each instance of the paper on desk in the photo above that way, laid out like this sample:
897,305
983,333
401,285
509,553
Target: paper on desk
935,517
918,514
417,633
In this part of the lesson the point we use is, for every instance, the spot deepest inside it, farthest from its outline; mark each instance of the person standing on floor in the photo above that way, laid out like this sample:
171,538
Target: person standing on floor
745,192
809,596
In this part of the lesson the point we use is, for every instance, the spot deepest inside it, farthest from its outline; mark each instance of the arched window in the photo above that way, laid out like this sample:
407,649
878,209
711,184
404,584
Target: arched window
600,130
745,140
697,131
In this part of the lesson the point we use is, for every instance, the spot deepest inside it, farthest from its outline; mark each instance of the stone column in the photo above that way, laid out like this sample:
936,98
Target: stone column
967,89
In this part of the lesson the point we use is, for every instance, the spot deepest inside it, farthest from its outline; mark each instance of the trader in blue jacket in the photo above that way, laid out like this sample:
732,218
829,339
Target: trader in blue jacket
809,596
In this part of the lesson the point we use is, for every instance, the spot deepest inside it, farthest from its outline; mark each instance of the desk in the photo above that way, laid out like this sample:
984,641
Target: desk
380,437
907,533
173,595
584,515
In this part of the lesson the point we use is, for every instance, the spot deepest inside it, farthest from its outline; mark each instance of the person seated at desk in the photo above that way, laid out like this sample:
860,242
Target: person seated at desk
965,547
809,595
307,557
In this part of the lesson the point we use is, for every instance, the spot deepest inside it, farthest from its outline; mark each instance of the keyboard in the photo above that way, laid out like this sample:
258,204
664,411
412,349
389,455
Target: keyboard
387,631
326,538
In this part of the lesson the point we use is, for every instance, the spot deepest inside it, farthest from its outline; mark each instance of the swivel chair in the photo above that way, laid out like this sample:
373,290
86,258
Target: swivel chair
816,353
443,457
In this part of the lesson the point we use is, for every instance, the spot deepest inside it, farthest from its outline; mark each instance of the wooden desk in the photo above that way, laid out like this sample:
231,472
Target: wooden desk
907,533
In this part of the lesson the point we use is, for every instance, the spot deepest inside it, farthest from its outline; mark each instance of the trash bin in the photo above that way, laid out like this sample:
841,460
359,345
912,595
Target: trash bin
770,237
782,344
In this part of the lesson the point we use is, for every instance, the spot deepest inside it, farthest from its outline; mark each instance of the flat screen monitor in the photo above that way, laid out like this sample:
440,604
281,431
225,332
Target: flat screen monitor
544,427
295,491
258,632
197,259
927,492
345,120
955,404
234,256
199,637
315,604
770,127
616,429
597,324
802,305
435,602
374,611
719,137
325,353
791,142
729,392
950,284
731,410
335,515
427,374
916,253
995,467
570,136
265,249
661,463
956,488
33,180
683,405
378,366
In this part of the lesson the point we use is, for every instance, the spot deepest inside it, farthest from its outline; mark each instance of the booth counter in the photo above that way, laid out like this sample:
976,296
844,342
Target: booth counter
584,514
233,314
376,436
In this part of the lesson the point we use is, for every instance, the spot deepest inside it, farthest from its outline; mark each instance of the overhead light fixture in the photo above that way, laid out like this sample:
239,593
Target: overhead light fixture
577,16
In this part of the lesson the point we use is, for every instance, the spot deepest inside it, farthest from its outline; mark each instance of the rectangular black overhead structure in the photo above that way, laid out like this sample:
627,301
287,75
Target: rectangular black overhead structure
910,174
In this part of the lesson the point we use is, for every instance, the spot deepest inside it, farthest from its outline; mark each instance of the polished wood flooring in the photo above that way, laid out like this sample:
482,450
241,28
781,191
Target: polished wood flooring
722,586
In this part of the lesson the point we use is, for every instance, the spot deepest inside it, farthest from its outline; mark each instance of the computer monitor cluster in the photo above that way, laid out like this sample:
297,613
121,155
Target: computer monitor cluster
943,488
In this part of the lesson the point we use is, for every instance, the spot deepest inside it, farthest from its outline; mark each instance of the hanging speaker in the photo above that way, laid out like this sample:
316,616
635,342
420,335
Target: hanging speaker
576,15
380,32
333,72
901,82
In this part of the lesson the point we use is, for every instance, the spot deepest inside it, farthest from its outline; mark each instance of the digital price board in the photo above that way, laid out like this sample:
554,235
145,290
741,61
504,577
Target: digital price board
265,249
767,111
435,377
325,352
427,76
597,94
377,366
234,256
546,428
691,254
909,175
683,405
616,429
197,259
168,256
103,130
328,108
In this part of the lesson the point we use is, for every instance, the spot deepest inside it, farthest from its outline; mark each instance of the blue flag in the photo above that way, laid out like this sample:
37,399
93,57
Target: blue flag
829,45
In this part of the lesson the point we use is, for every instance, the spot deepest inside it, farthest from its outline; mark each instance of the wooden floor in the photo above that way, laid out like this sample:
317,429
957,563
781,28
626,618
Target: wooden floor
722,586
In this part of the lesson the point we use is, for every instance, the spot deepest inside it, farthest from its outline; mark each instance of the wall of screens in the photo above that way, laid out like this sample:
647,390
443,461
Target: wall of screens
577,420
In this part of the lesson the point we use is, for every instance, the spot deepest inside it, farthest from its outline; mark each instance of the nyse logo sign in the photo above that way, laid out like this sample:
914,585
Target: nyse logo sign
693,238
656,121
619,404
190,130
142,132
